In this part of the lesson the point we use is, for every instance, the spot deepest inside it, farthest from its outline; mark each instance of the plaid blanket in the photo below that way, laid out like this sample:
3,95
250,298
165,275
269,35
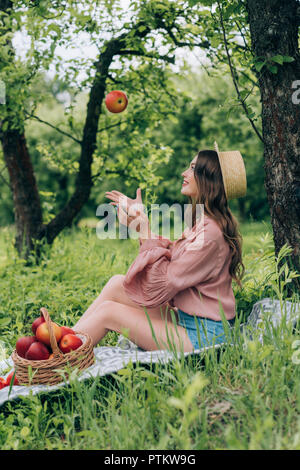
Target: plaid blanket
266,315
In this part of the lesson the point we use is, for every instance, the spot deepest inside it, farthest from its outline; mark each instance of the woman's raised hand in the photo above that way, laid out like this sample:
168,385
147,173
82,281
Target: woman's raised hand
124,201
130,209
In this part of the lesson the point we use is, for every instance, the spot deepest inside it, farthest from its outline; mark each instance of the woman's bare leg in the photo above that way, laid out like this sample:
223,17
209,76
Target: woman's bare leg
114,316
114,290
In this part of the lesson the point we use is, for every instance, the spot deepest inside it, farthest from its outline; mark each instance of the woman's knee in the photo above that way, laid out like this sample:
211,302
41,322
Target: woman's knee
105,310
112,288
117,280
110,313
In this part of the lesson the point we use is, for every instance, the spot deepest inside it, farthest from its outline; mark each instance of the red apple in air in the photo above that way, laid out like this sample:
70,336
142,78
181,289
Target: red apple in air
37,352
9,378
23,344
43,334
66,331
69,343
37,322
116,101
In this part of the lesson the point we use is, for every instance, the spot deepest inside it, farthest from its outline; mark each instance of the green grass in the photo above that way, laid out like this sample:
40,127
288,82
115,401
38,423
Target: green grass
245,397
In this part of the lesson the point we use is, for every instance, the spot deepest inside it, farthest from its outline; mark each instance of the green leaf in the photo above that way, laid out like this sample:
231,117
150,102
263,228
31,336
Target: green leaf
244,93
272,68
5,126
205,12
259,65
5,321
124,372
25,431
287,58
215,41
278,59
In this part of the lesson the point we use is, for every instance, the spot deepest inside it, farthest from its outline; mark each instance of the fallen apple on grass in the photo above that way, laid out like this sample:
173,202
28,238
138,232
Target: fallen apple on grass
9,379
43,335
69,343
116,101
2,383
6,382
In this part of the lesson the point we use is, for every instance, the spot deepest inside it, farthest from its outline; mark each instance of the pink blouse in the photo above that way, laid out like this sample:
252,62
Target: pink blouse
190,273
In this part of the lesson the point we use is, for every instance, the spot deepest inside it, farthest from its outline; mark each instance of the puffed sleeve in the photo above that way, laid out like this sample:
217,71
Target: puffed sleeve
154,278
156,237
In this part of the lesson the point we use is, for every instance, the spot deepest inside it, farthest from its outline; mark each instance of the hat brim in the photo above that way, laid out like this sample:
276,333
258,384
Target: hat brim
234,173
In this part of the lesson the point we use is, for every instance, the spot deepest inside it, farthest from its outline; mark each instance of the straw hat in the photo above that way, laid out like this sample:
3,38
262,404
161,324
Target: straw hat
233,172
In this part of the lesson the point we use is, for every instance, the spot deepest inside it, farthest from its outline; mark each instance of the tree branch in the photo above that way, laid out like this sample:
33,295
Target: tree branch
233,71
171,60
108,172
203,44
113,79
53,127
116,124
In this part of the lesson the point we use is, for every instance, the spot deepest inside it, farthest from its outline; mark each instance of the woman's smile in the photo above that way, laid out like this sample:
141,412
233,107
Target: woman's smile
189,185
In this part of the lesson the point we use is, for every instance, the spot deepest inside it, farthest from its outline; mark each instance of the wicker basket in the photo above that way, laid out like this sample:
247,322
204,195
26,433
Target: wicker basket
43,371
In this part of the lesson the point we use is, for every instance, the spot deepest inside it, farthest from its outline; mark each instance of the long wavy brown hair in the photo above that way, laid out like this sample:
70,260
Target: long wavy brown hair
211,193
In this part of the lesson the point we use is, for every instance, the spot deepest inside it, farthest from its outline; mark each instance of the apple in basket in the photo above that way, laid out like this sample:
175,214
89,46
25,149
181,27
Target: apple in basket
37,352
66,331
43,335
24,343
69,343
37,322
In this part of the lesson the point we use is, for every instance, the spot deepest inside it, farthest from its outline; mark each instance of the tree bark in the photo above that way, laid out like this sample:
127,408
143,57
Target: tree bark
27,206
274,31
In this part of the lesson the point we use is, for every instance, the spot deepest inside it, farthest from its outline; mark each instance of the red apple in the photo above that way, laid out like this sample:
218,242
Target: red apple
2,383
9,378
23,344
37,322
37,351
43,334
116,101
66,331
69,343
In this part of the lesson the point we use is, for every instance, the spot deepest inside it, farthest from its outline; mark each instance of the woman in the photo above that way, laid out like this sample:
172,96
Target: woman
185,278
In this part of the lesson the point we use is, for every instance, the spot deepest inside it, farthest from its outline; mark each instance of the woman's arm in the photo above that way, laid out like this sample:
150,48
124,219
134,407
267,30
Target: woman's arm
154,278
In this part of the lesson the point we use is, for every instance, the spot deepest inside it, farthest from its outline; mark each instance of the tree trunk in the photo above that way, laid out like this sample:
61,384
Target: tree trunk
27,207
274,32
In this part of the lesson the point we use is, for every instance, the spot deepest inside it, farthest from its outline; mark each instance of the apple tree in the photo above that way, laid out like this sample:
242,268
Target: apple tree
134,50
258,41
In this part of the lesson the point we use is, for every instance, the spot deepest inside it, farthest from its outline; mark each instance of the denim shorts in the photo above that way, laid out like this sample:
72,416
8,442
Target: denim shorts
210,331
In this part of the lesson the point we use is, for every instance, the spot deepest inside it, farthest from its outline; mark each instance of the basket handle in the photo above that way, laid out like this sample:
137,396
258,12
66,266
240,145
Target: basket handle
53,342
